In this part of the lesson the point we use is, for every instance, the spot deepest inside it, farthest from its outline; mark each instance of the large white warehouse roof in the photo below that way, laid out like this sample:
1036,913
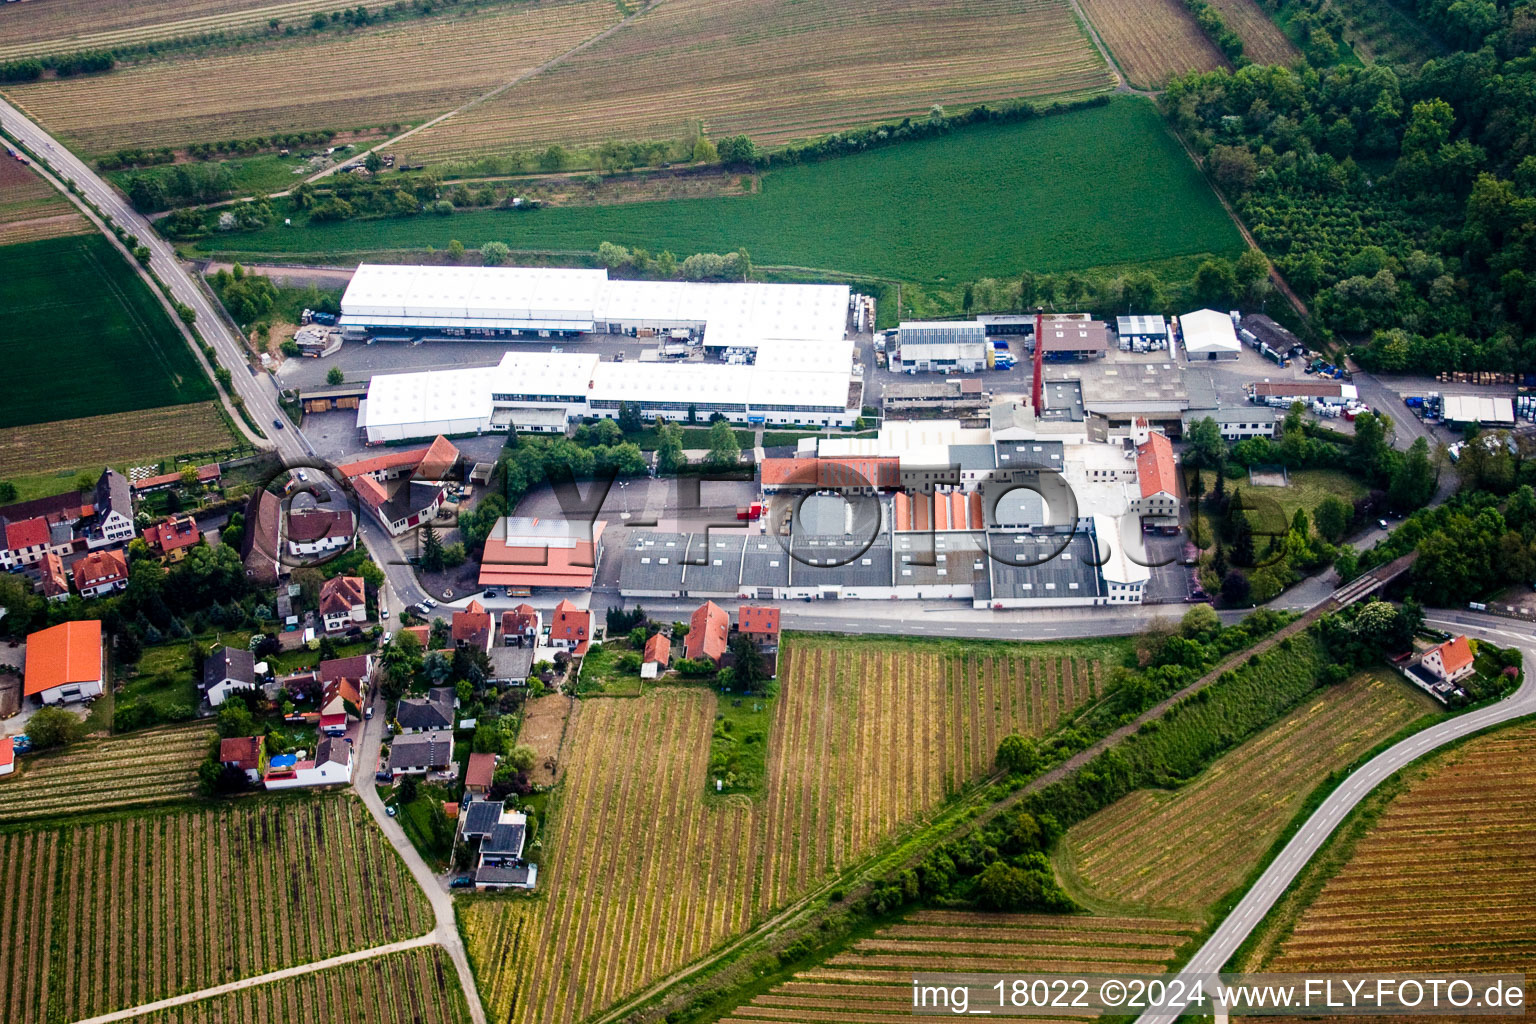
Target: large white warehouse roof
1206,330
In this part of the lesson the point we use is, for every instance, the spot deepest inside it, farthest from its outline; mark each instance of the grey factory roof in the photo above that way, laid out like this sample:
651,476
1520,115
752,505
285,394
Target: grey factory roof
1030,455
1063,401
1141,326
1044,565
972,456
713,562
837,561
951,558
653,561
765,563
1134,387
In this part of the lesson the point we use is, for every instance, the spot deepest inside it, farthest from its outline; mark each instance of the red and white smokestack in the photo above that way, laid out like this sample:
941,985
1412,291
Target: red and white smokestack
1038,393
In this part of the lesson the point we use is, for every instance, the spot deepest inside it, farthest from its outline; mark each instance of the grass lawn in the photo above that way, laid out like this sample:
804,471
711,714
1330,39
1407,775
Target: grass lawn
738,747
289,662
1105,185
601,674
693,437
75,303
416,818
1306,490
164,675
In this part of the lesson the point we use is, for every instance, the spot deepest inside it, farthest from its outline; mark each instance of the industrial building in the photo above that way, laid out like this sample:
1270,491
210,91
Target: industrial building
754,353
1209,334
1142,333
941,346
1282,393
1072,337
1480,409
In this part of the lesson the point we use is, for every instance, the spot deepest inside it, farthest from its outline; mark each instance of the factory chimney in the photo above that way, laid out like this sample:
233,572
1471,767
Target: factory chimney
1037,395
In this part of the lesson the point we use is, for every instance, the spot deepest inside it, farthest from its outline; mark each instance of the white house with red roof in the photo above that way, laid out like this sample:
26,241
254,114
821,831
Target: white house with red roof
25,542
99,573
473,628
657,656
570,628
761,623
1157,473
171,537
709,633
405,489
1449,662
65,662
522,553
340,703
52,581
520,626
342,603
7,755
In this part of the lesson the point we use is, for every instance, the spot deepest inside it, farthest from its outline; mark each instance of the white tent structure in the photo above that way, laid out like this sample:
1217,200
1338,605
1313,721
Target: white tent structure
1209,334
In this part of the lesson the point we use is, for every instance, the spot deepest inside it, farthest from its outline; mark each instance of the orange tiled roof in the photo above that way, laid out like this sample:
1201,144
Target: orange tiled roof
439,460
1455,655
570,623
1154,466
26,533
658,649
100,567
758,620
480,770
341,594
67,653
709,630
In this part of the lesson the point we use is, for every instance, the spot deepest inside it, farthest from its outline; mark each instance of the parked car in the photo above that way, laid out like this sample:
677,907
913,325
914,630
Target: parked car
383,611
428,602
391,811
368,713
462,882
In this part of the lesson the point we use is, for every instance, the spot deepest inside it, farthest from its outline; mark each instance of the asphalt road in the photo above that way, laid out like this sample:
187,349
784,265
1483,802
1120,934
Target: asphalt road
1282,871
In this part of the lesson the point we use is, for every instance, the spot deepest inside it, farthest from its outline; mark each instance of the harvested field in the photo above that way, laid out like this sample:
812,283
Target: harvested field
867,735
129,771
406,72
129,910
1152,39
781,71
96,441
58,26
1263,40
31,209
418,986
1185,849
76,302
872,982
544,726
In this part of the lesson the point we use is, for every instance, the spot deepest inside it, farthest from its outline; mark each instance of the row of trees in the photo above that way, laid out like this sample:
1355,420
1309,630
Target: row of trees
65,65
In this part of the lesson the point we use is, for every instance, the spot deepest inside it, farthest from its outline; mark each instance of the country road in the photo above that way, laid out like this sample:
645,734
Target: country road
260,396
1282,871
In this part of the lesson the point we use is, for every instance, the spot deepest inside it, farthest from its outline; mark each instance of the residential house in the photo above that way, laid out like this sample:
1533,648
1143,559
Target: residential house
521,626
340,702
331,765
479,819
111,520
709,633
1449,662
510,666
404,489
427,714
54,584
420,753
228,669
247,753
479,773
570,628
314,531
500,863
657,656
67,508
99,573
61,539
65,663
26,542
342,603
358,668
260,548
761,623
1158,505
7,755
171,538
206,476
473,628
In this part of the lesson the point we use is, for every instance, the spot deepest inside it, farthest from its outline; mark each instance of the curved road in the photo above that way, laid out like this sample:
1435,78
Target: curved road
1256,903
260,396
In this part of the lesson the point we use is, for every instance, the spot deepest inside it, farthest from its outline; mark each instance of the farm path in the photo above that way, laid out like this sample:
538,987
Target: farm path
446,934
985,813
261,979
486,96
1282,871
1122,83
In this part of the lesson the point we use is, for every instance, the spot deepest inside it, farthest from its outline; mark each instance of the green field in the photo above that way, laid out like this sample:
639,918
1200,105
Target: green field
1105,185
85,336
